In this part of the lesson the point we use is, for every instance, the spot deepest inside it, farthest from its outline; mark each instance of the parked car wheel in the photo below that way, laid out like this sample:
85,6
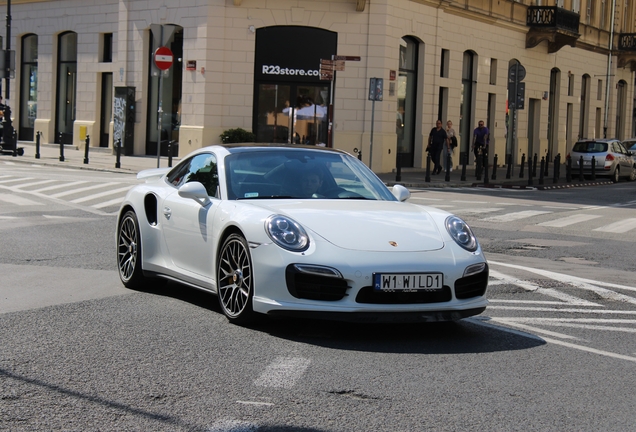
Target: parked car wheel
235,284
129,251
632,174
617,175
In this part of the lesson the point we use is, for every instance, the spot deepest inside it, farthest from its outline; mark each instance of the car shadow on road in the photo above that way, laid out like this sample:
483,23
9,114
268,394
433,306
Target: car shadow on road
472,335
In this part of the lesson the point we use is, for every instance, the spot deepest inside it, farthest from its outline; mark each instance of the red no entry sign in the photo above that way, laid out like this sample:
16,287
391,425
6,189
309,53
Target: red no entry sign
163,58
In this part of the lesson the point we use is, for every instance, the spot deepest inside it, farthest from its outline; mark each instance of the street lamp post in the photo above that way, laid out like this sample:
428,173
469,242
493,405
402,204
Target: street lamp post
7,53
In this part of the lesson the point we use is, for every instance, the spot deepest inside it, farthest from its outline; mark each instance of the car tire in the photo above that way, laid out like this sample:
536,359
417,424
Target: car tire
129,251
235,281
632,174
617,175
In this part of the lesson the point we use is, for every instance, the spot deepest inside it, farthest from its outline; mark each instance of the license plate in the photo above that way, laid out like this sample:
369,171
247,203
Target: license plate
408,282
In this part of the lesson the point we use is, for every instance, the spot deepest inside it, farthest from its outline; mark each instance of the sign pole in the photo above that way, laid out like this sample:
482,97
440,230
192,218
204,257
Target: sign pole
160,104
7,59
371,143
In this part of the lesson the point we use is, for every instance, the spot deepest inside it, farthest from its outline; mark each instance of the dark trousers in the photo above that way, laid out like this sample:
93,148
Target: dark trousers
435,154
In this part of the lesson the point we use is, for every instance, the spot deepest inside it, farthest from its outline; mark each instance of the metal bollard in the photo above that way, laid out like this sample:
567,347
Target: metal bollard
534,165
61,148
448,166
485,165
523,165
581,168
568,169
38,136
494,167
427,177
547,163
530,182
478,166
118,149
593,167
509,165
542,170
557,168
463,157
86,145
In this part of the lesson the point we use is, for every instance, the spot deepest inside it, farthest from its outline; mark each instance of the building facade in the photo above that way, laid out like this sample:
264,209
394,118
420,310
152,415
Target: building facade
541,74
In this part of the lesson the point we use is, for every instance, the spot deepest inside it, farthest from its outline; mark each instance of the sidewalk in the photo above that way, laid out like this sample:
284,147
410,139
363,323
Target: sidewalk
102,159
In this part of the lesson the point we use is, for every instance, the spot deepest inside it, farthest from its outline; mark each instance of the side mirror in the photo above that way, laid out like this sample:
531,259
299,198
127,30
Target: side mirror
195,191
400,192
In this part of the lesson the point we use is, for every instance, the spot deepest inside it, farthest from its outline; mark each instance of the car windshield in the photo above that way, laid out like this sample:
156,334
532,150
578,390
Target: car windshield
301,173
590,147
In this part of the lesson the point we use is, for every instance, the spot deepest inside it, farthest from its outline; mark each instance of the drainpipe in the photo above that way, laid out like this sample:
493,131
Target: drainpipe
609,69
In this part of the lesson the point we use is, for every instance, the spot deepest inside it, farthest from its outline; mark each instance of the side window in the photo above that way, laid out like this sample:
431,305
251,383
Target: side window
203,169
177,175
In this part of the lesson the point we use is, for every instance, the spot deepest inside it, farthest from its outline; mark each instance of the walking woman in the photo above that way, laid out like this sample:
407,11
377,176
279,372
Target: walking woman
451,143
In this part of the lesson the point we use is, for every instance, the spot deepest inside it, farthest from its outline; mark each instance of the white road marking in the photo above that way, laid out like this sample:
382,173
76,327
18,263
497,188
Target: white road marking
255,403
567,344
8,217
100,195
34,183
58,186
578,282
514,323
618,227
529,286
509,217
112,202
283,372
564,310
479,210
424,199
15,180
18,200
570,220
87,188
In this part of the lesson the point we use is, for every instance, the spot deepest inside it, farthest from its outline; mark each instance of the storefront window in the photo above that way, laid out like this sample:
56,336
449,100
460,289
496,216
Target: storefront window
291,100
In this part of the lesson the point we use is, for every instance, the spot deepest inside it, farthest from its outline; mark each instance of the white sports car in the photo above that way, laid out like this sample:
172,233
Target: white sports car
293,230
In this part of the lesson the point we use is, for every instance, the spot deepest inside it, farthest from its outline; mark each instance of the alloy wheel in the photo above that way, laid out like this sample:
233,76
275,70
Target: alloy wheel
234,280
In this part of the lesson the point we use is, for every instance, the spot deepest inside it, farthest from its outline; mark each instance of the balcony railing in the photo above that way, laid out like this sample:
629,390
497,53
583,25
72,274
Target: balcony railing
552,17
627,42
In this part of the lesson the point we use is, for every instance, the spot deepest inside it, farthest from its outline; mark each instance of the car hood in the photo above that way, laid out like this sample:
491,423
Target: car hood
379,226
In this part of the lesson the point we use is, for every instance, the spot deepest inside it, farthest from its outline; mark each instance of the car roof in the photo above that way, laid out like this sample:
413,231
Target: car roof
247,147
600,140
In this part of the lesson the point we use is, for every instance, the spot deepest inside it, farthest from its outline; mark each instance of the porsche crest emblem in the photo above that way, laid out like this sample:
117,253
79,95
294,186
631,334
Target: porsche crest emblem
392,243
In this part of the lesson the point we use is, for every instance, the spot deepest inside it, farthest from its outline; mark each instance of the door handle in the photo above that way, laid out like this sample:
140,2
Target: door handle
167,212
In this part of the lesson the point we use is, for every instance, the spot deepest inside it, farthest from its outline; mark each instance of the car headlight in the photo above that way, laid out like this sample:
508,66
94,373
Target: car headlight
461,233
287,233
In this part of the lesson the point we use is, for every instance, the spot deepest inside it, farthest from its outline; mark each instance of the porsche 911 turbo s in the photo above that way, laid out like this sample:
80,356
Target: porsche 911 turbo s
286,230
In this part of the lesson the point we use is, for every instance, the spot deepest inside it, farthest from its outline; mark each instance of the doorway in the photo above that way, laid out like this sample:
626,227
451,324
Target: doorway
292,113
106,109
66,90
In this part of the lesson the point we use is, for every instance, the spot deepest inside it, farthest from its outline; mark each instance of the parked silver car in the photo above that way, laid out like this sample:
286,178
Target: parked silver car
610,157
630,145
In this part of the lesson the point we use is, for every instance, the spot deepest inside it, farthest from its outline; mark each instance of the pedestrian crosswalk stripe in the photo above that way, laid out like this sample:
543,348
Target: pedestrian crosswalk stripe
24,185
618,227
59,186
112,202
84,189
480,210
13,180
508,217
100,195
18,200
570,220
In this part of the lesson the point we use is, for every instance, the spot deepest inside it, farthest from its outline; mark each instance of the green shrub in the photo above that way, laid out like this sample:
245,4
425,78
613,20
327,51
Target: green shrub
237,135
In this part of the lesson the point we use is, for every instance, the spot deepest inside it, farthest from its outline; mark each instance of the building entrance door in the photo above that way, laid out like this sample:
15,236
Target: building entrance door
292,113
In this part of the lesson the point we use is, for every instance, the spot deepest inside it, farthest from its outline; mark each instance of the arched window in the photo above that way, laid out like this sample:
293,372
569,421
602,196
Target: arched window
621,109
553,112
28,86
585,105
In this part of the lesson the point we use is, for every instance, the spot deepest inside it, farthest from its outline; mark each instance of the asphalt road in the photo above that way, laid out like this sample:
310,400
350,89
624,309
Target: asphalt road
554,351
